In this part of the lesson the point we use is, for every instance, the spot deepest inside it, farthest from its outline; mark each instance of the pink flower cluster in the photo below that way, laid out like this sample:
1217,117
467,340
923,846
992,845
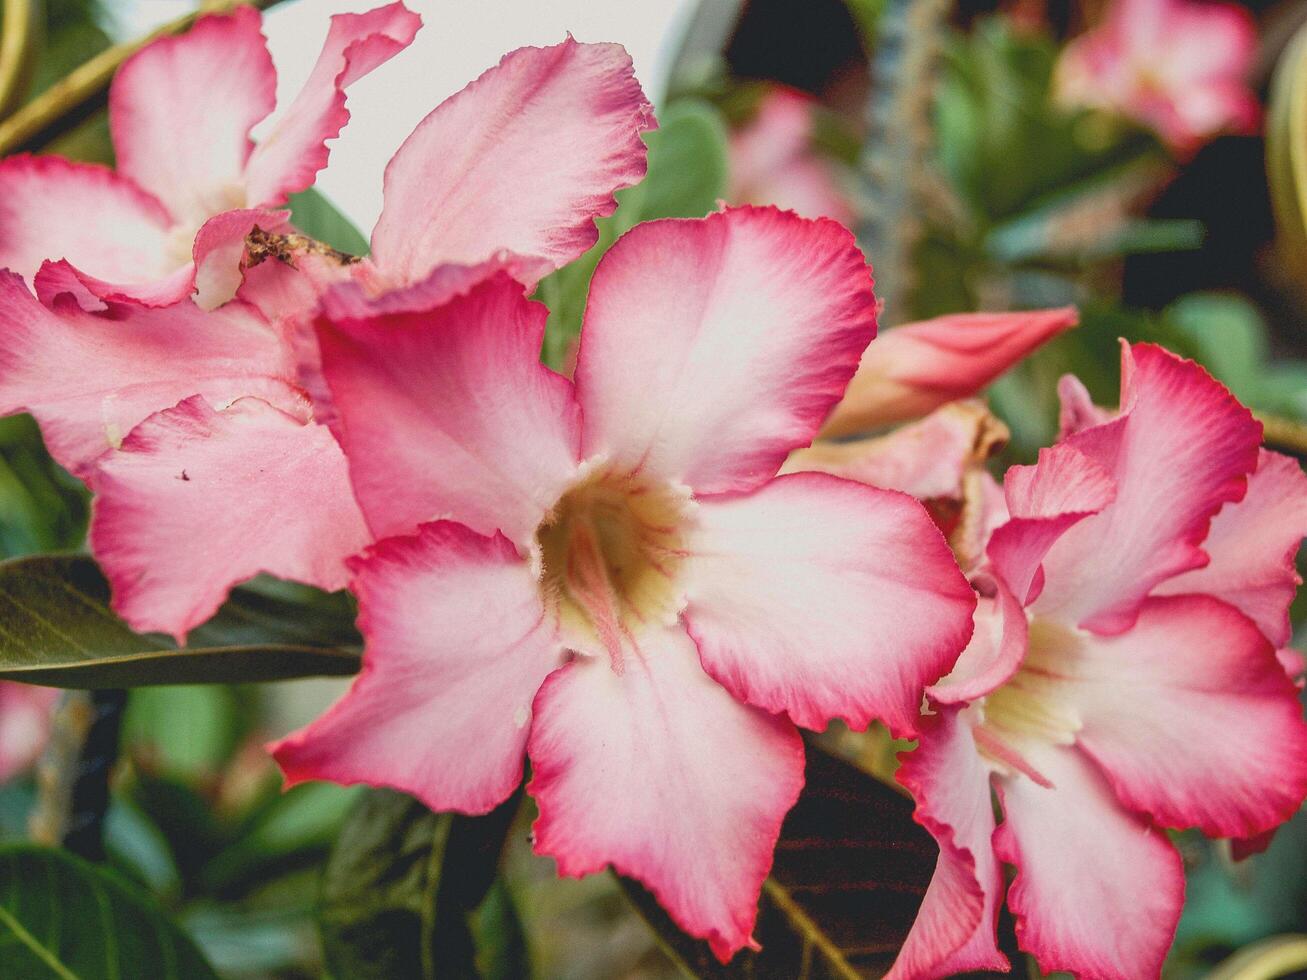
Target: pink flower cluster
605,573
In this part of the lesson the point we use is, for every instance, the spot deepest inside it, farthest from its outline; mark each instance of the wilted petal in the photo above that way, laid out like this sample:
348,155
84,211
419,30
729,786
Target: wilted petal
457,646
198,500
290,156
912,370
824,598
659,772
181,110
471,180
1252,545
1180,449
712,348
1098,891
956,928
449,412
89,378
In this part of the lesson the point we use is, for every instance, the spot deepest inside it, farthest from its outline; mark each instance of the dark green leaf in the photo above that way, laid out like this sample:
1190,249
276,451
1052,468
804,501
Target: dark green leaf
56,628
64,919
318,218
850,871
400,886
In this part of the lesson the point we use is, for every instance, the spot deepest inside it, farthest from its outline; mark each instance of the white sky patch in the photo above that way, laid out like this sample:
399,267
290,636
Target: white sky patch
459,40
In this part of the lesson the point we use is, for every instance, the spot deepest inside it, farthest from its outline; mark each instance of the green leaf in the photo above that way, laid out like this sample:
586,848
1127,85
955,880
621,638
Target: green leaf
318,218
686,178
849,875
401,884
62,918
56,628
1228,335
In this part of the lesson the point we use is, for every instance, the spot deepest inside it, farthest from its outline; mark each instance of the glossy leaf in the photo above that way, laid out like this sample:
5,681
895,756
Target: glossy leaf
401,884
56,628
318,218
62,918
849,875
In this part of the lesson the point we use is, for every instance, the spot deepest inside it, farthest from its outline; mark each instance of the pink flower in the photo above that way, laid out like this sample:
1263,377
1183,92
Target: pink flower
914,369
607,575
190,183
201,433
772,161
1122,679
26,715
1178,67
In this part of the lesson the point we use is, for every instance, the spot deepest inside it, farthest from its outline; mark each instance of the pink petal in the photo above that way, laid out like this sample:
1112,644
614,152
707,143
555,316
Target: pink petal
995,651
181,110
660,773
469,181
89,378
44,204
197,501
1098,891
714,347
912,370
1252,545
219,251
927,459
1180,449
449,412
291,155
26,717
1044,502
824,598
1193,719
1077,410
956,928
772,161
457,646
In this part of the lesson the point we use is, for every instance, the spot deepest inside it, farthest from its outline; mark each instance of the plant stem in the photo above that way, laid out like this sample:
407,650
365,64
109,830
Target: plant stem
85,89
1282,433
20,26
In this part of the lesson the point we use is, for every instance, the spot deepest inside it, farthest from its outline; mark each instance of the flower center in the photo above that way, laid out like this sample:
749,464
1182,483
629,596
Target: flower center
611,550
1031,709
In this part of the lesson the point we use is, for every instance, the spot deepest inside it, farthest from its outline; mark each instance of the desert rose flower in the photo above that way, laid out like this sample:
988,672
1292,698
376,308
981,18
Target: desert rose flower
189,182
1122,679
26,716
772,161
1178,67
200,432
608,575
914,369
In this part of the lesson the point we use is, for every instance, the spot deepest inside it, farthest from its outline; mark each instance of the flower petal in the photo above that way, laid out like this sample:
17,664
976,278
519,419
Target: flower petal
181,110
1077,410
995,651
457,646
662,774
197,501
956,928
912,370
26,718
824,598
89,378
1252,545
290,156
469,182
1098,891
1193,719
714,347
448,412
1180,449
44,203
